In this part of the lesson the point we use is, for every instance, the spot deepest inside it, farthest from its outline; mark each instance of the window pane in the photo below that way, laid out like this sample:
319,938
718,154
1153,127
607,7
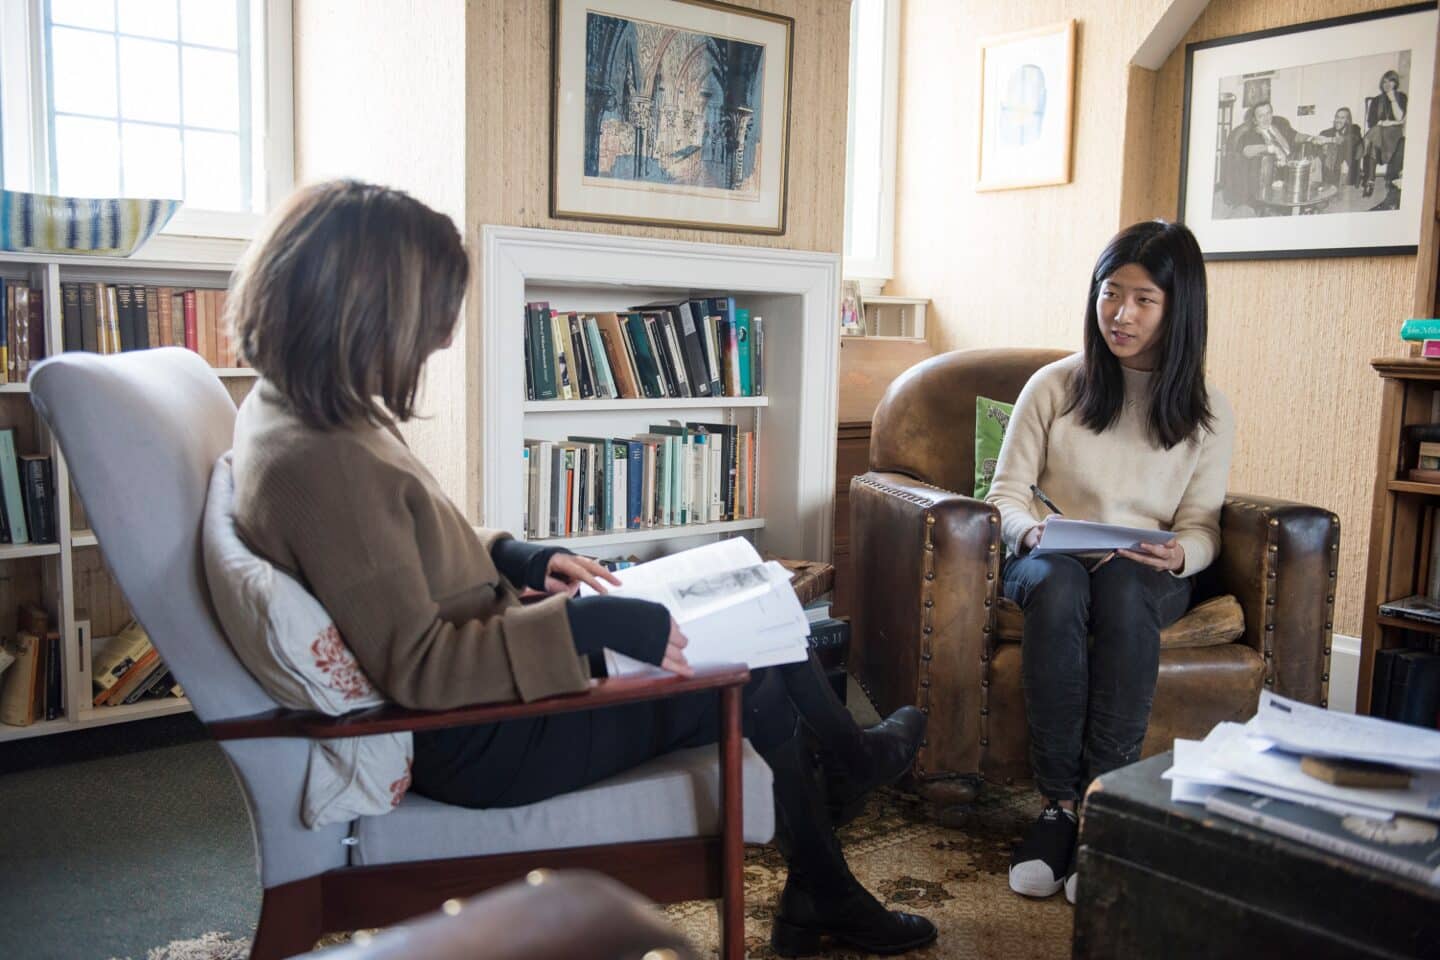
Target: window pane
99,14
149,80
212,170
211,22
212,89
149,18
866,147
152,161
83,71
87,157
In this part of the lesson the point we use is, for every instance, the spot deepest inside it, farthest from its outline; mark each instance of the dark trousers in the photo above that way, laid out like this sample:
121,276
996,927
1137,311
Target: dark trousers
1087,704
517,762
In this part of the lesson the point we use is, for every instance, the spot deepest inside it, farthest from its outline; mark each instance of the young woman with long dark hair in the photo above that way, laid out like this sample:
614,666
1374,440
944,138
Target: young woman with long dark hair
338,307
1125,432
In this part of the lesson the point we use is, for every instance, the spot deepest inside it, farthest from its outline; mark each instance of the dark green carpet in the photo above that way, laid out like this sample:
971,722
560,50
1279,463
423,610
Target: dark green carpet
110,855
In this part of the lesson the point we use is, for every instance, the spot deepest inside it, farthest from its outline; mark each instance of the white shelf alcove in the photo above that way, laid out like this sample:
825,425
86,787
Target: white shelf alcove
797,293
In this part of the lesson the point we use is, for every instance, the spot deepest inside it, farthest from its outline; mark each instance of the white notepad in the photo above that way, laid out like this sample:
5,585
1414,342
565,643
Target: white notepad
1063,535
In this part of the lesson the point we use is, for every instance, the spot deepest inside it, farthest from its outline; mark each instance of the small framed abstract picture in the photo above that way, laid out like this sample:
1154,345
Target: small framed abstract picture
671,113
1294,140
1027,96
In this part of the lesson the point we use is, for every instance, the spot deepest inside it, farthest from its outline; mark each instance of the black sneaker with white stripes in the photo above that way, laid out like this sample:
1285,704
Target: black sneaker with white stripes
1040,864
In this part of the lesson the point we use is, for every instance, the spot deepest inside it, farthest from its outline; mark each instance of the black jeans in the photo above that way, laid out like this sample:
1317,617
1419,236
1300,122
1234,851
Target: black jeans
518,762
1088,705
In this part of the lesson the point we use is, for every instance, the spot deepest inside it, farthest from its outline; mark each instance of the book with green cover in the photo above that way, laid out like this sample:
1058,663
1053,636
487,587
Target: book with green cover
742,359
13,502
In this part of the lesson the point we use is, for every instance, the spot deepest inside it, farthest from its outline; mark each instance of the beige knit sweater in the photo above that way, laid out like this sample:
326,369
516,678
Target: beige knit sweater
1119,476
411,585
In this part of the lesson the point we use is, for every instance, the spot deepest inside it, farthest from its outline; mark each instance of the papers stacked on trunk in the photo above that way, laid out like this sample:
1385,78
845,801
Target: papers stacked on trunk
1264,756
732,606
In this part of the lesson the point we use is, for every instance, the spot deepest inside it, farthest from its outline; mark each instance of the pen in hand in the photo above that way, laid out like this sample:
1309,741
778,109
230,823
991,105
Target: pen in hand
1040,495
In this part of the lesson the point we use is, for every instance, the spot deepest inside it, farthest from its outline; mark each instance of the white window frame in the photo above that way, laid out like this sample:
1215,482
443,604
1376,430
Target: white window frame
873,272
205,234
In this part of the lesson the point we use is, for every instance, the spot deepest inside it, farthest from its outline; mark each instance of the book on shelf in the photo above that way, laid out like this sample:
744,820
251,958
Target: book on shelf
117,657
1405,845
19,686
37,486
12,500
22,329
1405,687
113,318
685,348
1418,607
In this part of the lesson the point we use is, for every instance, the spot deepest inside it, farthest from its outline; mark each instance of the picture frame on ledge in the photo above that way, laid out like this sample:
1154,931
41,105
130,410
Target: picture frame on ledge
1027,103
1293,140
670,113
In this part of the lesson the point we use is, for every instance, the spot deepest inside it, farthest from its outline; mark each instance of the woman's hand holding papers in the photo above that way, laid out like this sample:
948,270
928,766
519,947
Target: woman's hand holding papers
566,571
675,660
1162,556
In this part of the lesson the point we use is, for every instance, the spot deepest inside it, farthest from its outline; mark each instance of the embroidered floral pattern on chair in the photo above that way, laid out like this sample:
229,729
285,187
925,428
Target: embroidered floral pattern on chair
342,673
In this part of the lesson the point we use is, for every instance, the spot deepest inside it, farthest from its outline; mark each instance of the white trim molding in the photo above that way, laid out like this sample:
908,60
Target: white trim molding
798,294
874,271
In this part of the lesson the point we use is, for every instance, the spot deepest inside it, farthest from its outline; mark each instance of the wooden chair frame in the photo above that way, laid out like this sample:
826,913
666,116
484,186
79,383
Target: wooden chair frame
294,915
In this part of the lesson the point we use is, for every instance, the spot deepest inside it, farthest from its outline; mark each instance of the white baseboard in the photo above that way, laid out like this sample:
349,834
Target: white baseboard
1344,672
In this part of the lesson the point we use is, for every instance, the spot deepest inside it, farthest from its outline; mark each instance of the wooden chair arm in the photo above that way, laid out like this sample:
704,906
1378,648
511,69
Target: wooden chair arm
395,719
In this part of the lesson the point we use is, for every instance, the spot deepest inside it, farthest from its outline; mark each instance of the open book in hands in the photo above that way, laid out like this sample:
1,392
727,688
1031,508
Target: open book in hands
732,606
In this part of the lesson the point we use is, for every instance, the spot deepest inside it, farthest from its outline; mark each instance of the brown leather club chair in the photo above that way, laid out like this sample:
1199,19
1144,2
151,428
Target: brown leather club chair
931,627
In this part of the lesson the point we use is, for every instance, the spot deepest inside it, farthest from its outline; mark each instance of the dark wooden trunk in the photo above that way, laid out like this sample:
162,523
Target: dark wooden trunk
1163,879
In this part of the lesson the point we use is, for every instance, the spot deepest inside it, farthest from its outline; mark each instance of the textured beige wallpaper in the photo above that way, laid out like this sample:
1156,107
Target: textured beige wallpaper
380,95
1290,341
508,136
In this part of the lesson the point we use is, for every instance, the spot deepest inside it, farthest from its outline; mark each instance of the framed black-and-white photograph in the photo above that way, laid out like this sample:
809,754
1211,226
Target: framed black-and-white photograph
670,112
1294,140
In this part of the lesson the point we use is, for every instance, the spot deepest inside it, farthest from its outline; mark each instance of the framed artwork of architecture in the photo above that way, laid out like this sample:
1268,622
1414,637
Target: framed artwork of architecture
1027,96
1294,140
670,112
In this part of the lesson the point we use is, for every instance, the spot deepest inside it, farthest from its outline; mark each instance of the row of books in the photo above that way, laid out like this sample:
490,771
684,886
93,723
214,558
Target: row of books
22,329
110,318
127,668
690,348
27,494
673,475
1406,687
30,687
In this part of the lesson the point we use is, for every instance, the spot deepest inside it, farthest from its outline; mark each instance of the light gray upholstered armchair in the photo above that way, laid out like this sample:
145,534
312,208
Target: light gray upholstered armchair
141,432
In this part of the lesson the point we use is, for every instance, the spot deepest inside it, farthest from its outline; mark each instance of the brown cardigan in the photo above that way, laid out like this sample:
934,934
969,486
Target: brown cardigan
411,585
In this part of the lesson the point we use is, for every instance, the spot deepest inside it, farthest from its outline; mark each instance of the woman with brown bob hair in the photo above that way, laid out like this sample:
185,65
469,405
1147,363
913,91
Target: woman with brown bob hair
337,307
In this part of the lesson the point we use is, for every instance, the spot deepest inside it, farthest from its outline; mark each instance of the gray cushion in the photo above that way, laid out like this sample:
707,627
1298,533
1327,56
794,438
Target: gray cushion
676,795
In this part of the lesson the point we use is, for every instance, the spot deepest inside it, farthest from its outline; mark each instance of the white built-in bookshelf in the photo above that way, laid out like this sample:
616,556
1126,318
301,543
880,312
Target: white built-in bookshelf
797,293
70,575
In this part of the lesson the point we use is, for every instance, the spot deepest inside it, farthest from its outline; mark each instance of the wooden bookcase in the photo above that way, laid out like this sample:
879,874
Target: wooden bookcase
71,574
797,294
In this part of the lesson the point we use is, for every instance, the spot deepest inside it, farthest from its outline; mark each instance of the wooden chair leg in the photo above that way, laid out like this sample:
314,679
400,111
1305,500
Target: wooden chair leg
290,920
732,819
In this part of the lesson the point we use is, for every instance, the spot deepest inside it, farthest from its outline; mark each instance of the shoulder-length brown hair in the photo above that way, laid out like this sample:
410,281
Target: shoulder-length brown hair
345,297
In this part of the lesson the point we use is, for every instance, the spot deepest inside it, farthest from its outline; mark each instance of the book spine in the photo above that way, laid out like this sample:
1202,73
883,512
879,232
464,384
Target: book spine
1420,329
635,485
604,376
757,355
18,326
677,362
164,317
7,307
54,692
564,365
38,509
89,317
17,684
70,338
124,298
619,485
645,361
112,321
152,318
10,489
35,347
192,322
585,377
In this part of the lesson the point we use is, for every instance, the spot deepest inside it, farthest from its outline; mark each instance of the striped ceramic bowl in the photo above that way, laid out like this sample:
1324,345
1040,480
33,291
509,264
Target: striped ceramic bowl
37,223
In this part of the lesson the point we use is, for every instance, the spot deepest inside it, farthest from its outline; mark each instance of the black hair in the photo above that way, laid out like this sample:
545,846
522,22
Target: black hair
1179,401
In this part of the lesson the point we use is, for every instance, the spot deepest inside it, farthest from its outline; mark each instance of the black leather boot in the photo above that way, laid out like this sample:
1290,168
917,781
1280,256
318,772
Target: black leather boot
856,759
1367,175
806,920
822,900
885,752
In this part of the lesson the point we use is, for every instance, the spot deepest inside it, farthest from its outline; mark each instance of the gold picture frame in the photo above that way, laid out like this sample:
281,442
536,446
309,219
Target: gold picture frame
1027,108
670,113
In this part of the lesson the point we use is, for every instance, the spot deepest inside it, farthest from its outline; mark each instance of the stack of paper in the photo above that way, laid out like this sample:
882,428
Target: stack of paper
732,606
1264,755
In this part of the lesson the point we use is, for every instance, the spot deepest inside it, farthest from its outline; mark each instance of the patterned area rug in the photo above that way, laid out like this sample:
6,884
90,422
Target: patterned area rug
953,875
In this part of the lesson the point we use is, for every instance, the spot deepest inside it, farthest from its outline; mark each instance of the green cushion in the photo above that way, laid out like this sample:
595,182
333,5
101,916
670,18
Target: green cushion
991,420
